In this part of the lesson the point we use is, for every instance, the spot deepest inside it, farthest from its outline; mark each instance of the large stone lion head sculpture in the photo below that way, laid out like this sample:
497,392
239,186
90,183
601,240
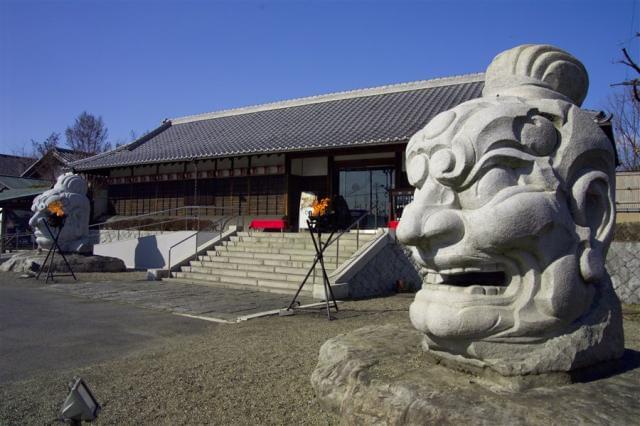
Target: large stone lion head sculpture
511,220
70,191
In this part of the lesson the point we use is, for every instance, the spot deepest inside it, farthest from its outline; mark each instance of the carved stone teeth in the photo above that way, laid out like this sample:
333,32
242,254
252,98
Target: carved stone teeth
491,291
490,267
475,289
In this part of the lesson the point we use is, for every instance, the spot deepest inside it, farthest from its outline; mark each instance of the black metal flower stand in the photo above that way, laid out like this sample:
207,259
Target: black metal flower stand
57,223
315,227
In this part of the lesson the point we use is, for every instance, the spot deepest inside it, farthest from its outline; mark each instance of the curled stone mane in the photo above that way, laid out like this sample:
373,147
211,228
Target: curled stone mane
537,71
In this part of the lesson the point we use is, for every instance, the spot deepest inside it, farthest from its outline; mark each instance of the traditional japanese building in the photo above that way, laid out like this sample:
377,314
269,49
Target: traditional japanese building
255,161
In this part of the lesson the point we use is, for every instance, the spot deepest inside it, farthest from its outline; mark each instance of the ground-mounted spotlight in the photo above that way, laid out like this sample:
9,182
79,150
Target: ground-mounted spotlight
80,403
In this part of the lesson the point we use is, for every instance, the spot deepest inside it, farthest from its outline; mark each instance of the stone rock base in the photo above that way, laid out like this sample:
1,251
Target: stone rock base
380,375
31,261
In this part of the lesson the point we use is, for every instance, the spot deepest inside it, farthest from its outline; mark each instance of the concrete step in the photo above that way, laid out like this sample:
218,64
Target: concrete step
263,285
277,242
306,291
272,236
327,259
253,258
266,244
281,266
232,259
331,251
265,247
270,273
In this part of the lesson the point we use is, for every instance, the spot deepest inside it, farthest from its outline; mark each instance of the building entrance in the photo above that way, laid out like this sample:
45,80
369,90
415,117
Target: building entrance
368,191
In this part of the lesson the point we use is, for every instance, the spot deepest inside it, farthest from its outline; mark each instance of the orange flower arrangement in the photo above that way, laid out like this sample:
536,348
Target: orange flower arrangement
320,208
56,208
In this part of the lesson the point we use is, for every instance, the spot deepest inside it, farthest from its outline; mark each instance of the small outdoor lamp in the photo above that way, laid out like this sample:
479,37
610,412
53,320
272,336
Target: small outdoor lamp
80,403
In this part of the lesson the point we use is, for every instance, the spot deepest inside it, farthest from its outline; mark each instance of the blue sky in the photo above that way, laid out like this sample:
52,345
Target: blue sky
137,62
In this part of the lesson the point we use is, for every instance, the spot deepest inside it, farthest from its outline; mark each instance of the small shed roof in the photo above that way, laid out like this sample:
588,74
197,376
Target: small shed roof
64,156
364,117
13,165
12,187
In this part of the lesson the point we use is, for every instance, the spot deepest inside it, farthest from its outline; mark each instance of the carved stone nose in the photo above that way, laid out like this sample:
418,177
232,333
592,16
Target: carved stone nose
436,226
443,227
409,230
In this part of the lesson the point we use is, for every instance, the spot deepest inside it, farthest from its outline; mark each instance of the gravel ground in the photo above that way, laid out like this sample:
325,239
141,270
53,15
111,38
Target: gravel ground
255,372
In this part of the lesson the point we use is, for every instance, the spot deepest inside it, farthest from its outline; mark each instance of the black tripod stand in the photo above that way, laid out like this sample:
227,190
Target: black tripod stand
320,248
52,252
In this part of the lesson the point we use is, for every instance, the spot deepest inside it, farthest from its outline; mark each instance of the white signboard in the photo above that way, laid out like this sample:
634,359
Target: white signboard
306,201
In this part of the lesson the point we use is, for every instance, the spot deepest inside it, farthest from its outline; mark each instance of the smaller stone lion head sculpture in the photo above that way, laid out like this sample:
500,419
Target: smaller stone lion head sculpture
70,192
512,217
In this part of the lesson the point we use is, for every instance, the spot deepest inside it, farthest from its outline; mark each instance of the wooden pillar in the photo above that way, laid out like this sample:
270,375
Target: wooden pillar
3,228
287,186
331,181
248,210
158,206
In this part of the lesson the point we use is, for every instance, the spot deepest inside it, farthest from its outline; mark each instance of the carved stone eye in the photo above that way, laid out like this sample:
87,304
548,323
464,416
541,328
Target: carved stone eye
418,170
540,135
442,162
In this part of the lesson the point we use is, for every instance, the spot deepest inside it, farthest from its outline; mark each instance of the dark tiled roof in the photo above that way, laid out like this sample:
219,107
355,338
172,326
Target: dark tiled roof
14,182
12,187
69,155
63,155
12,165
361,117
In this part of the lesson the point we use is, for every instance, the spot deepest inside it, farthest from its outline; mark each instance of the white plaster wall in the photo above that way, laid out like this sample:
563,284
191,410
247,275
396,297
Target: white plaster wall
144,170
267,160
148,252
170,168
224,164
204,165
121,172
368,156
314,166
240,162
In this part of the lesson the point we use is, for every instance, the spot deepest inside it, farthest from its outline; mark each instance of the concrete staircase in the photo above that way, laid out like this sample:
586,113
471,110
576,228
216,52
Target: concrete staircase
268,261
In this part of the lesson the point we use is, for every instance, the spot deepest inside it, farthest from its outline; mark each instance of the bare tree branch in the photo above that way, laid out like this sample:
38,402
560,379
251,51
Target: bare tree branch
630,61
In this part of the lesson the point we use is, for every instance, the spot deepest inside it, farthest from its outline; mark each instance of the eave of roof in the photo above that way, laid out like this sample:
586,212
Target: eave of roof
14,194
14,182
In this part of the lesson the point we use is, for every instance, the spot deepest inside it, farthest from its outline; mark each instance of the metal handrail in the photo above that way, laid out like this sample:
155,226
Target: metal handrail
336,238
125,219
195,234
97,227
6,240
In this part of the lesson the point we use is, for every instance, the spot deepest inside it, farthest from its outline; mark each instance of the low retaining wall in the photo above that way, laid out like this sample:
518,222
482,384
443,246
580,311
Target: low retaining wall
111,235
623,264
392,262
381,269
391,269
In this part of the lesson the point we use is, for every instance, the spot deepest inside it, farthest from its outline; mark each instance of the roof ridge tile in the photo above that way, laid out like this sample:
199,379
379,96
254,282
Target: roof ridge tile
328,97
